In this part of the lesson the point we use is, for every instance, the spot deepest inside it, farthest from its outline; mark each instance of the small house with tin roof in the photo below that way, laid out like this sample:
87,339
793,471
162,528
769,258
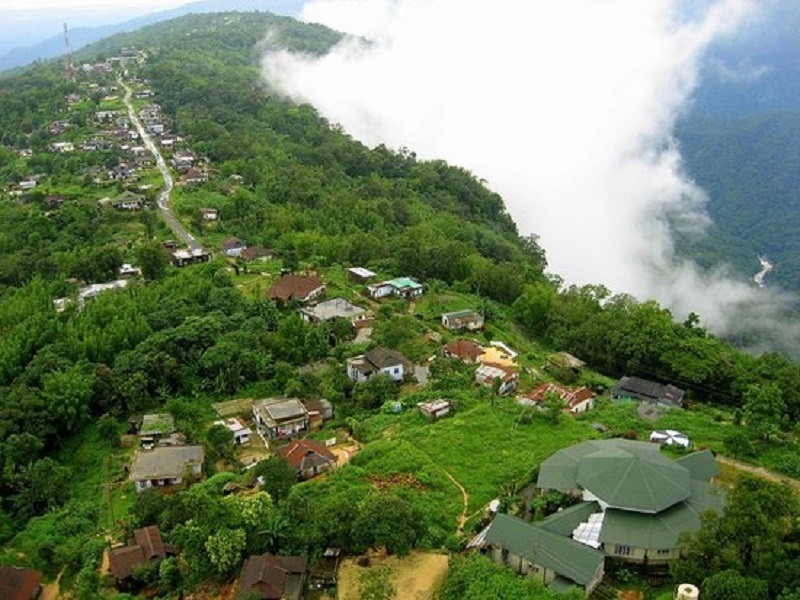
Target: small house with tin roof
19,583
270,577
378,360
296,287
463,319
404,287
165,465
643,390
147,547
280,418
308,457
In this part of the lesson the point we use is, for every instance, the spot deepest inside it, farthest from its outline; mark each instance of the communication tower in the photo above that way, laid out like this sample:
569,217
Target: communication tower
69,68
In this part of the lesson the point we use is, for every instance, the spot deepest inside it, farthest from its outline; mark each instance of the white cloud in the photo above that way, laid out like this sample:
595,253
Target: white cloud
566,108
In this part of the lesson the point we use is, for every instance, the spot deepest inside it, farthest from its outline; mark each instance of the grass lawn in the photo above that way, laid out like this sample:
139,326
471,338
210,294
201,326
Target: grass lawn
483,446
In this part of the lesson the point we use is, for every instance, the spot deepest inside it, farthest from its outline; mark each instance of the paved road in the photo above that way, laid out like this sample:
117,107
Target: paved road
163,198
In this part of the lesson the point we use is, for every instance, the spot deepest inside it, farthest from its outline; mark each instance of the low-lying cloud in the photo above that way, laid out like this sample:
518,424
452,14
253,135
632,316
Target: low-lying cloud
565,108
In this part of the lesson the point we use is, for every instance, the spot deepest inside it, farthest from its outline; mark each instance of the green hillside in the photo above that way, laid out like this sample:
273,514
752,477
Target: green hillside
75,374
749,167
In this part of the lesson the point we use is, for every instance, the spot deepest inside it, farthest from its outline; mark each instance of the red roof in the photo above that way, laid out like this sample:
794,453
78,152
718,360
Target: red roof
293,286
18,583
270,577
464,349
300,453
572,397
148,547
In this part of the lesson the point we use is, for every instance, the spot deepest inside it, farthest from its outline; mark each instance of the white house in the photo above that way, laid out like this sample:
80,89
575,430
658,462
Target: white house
241,432
377,360
165,465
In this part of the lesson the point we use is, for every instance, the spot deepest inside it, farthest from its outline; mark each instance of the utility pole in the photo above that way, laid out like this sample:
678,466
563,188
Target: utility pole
69,68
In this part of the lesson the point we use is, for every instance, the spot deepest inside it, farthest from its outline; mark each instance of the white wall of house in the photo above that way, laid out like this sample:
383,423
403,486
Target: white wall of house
396,372
583,406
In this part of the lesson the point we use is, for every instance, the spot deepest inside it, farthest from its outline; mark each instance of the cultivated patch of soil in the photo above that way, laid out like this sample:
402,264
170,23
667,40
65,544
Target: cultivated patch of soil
417,576
389,481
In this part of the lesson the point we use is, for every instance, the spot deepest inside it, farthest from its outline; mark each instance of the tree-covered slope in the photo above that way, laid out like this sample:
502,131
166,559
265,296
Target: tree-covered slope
750,167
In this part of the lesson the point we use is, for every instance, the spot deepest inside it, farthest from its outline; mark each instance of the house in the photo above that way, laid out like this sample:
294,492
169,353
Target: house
209,214
467,351
578,400
533,551
54,200
241,432
360,274
565,360
91,291
405,287
670,437
232,247
377,360
280,418
62,147
194,177
154,427
338,308
309,458
319,411
323,572
181,258
270,577
637,502
252,253
486,375
634,388
295,287
18,583
128,270
462,319
435,409
147,547
128,201
166,465
28,184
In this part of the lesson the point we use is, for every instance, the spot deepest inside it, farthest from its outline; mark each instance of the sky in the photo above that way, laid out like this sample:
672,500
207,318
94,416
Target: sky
565,108
23,23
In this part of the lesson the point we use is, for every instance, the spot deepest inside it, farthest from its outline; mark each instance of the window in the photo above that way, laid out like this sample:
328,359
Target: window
622,550
662,552
396,370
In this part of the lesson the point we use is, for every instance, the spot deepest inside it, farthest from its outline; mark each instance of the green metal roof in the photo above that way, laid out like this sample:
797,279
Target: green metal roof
661,531
404,282
634,481
565,521
621,473
702,465
566,557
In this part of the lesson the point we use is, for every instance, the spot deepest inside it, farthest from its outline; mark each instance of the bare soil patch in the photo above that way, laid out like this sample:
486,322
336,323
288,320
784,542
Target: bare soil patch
389,481
417,576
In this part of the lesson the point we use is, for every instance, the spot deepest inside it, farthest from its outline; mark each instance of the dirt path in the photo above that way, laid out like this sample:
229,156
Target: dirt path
759,471
462,518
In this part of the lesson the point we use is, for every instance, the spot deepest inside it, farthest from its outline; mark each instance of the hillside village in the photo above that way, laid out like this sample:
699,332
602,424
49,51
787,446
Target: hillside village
399,413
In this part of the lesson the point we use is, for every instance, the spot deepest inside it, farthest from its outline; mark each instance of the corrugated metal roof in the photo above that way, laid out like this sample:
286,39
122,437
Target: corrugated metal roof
662,530
702,465
564,556
622,473
565,521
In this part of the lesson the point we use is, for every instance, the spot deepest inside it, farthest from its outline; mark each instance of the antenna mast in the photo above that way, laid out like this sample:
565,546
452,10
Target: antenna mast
69,68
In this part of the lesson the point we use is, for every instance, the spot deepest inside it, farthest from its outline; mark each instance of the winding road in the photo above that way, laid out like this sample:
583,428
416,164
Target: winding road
163,199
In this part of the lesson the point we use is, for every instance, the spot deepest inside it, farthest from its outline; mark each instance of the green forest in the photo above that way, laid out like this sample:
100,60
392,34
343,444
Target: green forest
179,340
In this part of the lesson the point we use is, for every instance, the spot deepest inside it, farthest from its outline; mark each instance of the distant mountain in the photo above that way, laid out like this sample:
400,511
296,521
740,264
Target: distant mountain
741,143
80,37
